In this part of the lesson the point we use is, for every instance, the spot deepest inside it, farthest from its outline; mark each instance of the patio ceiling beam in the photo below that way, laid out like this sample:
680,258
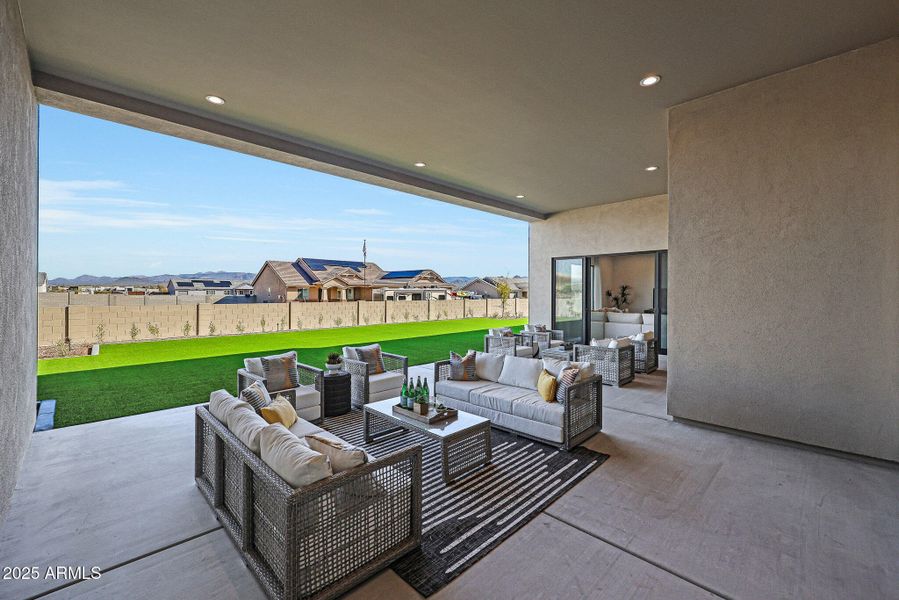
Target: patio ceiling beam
114,106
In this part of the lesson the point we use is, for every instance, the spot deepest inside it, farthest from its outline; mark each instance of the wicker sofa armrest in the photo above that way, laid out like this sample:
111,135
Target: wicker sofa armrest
441,371
583,410
396,362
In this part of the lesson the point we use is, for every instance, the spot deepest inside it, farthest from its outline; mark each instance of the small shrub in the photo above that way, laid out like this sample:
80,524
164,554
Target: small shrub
240,327
282,324
134,331
212,328
494,315
262,324
367,319
153,329
100,333
299,323
186,328
406,315
338,322
320,319
63,347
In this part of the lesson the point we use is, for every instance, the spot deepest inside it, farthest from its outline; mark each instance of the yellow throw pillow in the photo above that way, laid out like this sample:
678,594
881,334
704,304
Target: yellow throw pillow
280,411
546,386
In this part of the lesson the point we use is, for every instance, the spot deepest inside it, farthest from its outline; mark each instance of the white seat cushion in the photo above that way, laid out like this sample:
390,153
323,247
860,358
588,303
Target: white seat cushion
521,372
307,397
524,351
342,456
302,428
391,380
534,408
556,343
459,390
292,459
497,397
632,318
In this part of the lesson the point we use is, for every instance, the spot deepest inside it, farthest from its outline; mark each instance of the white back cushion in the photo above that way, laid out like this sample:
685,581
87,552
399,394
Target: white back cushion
247,425
292,459
488,366
521,372
636,318
221,403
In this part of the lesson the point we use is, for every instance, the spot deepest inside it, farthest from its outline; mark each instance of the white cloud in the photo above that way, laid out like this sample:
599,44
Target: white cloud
236,238
84,192
365,212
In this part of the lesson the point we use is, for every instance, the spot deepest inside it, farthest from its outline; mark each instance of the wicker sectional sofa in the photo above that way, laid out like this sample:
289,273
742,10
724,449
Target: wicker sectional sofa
317,541
520,409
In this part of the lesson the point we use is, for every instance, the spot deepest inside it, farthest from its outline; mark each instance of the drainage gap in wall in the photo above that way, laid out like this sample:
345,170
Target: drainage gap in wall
46,409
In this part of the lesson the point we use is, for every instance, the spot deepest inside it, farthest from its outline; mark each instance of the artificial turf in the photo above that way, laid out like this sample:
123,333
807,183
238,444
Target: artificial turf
128,379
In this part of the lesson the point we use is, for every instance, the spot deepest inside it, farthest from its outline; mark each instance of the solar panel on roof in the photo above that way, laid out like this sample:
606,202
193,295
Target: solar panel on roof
321,264
402,274
184,284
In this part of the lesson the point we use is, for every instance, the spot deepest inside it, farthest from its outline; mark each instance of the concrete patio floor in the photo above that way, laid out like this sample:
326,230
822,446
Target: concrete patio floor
678,511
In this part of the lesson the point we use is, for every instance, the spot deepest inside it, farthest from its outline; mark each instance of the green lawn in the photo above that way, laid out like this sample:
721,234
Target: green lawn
128,379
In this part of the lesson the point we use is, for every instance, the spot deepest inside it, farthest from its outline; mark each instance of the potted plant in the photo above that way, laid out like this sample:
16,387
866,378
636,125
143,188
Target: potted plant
334,362
422,406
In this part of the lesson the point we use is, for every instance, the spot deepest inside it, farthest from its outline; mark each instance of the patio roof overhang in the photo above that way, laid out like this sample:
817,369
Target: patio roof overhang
522,113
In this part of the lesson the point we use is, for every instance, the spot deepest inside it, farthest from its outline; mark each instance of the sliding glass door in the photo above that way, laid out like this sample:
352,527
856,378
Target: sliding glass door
570,294
661,300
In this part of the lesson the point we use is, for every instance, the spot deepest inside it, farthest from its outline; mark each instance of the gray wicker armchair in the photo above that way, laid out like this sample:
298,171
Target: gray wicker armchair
307,399
317,541
365,387
616,365
511,345
545,340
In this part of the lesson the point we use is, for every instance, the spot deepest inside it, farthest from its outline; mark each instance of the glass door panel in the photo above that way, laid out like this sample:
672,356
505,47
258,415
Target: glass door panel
661,300
570,297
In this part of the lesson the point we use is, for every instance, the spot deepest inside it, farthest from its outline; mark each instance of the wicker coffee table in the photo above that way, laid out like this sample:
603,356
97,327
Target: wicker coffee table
464,439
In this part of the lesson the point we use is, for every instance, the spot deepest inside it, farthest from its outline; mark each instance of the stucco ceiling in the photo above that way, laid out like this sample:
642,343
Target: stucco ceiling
525,97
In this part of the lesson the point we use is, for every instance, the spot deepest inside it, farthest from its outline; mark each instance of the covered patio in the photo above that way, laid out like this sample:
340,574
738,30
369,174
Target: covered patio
683,511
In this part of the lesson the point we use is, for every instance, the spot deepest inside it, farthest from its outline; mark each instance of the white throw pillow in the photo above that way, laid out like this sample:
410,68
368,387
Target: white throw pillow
221,403
622,342
350,353
555,365
613,343
488,366
292,459
254,366
521,372
246,424
603,343
343,456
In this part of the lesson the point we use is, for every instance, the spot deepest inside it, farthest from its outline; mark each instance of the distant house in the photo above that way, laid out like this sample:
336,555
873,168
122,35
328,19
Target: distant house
485,287
324,280
208,287
41,282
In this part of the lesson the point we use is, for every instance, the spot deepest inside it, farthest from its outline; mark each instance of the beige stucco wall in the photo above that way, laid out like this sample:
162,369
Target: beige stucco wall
635,270
784,257
630,226
268,287
18,249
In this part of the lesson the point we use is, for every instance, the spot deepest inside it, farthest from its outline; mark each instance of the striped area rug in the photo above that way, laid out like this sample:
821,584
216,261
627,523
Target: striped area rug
463,521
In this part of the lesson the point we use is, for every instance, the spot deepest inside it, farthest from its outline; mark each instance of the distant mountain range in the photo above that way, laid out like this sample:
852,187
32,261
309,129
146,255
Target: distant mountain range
146,280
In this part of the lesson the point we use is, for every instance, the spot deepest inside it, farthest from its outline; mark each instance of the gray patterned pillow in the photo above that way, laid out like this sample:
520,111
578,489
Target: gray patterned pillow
371,356
281,372
566,379
256,396
462,368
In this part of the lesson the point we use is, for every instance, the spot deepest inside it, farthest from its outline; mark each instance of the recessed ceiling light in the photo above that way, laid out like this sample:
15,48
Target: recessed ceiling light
652,168
650,80
520,196
215,99
421,164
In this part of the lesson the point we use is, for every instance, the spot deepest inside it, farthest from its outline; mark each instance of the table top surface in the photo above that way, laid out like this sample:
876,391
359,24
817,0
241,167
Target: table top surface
447,427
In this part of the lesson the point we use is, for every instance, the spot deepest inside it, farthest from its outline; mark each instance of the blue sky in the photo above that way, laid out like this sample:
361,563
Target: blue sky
116,200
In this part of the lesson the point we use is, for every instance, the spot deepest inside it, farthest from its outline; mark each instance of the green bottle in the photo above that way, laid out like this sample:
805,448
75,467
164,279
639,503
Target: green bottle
403,394
418,391
426,391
